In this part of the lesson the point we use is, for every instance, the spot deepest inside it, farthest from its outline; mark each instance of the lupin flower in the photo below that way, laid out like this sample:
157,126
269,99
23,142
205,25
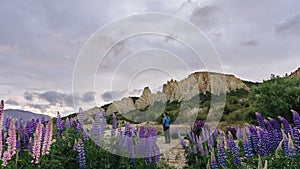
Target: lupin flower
277,134
221,155
80,116
12,139
297,139
98,129
43,121
79,146
128,129
233,150
213,162
48,138
29,129
296,119
291,147
59,124
114,125
247,145
1,144
254,137
272,135
287,127
285,141
199,145
36,148
68,125
1,125
260,120
157,155
263,142
183,143
195,149
239,133
6,157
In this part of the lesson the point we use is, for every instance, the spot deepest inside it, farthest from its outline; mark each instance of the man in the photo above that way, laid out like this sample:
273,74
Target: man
166,125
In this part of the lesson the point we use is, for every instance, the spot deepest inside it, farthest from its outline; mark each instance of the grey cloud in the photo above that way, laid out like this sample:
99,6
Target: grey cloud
28,95
12,102
250,43
204,17
112,95
42,107
88,96
289,26
54,97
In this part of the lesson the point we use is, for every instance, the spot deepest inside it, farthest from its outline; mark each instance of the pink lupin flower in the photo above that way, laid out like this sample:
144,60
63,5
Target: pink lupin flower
12,139
1,124
0,144
6,157
48,138
36,149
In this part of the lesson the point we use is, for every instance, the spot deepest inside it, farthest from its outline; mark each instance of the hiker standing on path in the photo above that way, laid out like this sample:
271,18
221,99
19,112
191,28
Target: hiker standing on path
166,125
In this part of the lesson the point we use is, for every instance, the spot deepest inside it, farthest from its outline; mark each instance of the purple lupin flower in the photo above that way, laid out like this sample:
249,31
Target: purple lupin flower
285,141
18,146
221,155
254,137
210,142
239,133
199,145
157,155
114,125
98,129
296,119
7,123
272,133
277,134
29,129
43,121
263,142
68,124
287,127
245,144
131,149
234,151
16,123
128,129
249,147
183,143
72,122
297,139
80,116
213,162
190,136
260,120
291,147
21,130
81,154
59,126
195,151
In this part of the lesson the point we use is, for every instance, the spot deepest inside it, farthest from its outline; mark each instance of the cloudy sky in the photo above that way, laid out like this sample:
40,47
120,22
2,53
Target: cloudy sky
40,43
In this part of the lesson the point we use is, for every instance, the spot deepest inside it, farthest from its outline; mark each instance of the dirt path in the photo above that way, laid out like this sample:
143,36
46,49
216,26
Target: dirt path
172,154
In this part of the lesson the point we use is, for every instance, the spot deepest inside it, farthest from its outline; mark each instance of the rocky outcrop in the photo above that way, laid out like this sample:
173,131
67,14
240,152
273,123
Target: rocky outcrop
122,106
195,83
296,73
201,82
147,98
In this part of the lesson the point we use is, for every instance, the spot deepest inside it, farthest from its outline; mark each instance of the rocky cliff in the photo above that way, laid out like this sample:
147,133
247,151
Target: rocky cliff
296,73
195,83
